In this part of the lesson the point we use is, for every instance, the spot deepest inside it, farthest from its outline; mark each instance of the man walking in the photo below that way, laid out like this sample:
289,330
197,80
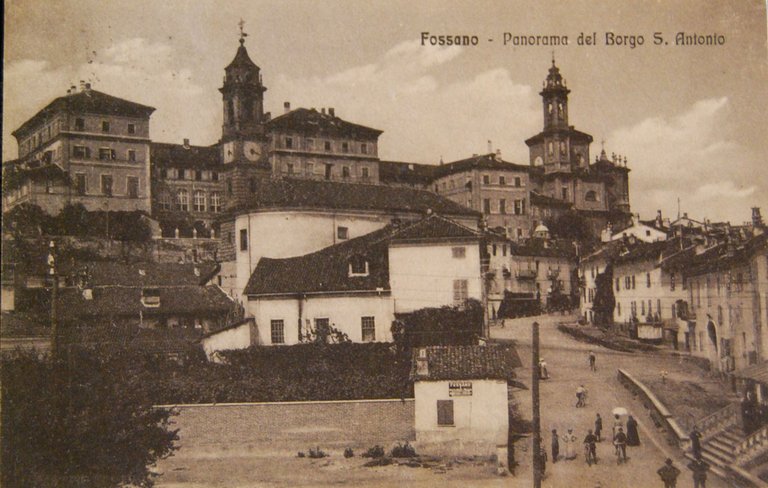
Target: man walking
581,396
668,474
555,446
699,469
598,427
592,361
590,448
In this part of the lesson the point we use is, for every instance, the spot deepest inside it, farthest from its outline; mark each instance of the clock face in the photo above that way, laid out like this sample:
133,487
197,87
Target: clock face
538,161
252,150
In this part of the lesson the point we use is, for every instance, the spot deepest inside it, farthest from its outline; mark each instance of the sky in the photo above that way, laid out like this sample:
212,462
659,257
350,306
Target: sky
692,121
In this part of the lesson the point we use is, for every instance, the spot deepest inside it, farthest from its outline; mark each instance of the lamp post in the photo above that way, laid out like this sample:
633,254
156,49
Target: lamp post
535,401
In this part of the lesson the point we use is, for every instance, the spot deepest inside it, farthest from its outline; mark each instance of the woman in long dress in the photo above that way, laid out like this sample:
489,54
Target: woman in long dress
569,440
633,438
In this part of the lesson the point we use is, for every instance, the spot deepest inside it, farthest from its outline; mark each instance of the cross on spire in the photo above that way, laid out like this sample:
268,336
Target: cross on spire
243,35
553,57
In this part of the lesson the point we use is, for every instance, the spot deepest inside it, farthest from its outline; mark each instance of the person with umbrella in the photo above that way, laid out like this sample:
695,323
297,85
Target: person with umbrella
617,422
633,438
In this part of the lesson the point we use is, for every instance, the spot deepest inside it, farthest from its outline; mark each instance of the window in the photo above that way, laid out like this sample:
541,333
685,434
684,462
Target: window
182,200
648,280
364,148
131,155
289,142
243,239
81,184
368,328
445,412
344,147
215,176
79,124
519,207
131,128
590,196
310,144
486,179
564,192
104,126
366,173
618,309
81,152
345,172
106,185
132,184
166,201
289,168
502,206
459,252
150,297
277,331
618,284
633,282
672,282
642,308
327,145
106,153
252,185
342,232
493,251
198,175
198,201
215,201
460,293
229,187
486,205
48,186
502,180
518,181
519,233
658,307
358,265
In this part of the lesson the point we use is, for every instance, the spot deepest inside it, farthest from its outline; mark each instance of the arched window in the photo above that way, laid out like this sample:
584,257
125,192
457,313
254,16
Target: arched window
198,201
590,196
182,200
551,148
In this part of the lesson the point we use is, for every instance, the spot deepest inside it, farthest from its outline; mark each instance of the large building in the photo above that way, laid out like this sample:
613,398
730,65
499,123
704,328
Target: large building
86,147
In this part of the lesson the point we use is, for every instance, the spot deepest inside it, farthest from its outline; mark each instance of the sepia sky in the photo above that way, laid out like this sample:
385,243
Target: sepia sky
691,120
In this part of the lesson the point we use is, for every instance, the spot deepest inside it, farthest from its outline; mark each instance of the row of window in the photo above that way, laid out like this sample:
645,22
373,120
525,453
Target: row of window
107,185
105,126
189,174
518,207
633,308
517,181
201,201
327,171
105,153
309,145
367,329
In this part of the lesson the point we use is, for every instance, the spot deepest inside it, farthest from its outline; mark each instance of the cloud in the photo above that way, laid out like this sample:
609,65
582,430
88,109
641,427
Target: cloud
692,155
134,69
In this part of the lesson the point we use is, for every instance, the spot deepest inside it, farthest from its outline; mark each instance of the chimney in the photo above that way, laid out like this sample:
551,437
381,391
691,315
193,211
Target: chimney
186,143
82,85
287,106
659,219
322,110
87,87
332,112
73,89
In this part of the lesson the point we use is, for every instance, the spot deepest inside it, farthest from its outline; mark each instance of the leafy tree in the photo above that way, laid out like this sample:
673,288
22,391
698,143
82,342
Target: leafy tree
74,220
439,326
27,220
570,225
605,301
83,422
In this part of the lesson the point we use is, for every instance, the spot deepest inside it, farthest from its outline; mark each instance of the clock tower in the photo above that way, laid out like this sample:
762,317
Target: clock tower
243,99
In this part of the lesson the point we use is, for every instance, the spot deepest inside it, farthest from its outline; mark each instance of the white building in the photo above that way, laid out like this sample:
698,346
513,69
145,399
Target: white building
461,398
358,285
642,230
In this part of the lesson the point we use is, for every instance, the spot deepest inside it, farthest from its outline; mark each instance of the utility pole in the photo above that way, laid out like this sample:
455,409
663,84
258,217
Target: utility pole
54,298
535,403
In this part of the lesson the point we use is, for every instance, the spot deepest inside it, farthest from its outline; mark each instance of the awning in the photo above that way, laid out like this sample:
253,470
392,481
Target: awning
756,372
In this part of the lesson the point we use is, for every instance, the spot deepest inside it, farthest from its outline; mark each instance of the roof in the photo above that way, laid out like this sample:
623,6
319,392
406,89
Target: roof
607,252
394,172
312,122
117,301
328,270
490,361
164,154
88,101
489,161
287,193
722,256
572,133
146,274
241,59
554,248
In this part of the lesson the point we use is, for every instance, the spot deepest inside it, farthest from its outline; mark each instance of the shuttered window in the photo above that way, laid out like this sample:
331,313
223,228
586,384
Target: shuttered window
445,412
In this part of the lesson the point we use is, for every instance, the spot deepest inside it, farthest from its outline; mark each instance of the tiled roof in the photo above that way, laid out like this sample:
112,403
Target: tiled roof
241,59
303,193
570,131
484,161
491,361
394,172
328,270
556,248
170,155
146,274
607,252
310,122
108,301
434,228
91,102
719,258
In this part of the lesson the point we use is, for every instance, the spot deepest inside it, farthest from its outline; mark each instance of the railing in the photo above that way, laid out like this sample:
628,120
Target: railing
526,274
718,421
752,446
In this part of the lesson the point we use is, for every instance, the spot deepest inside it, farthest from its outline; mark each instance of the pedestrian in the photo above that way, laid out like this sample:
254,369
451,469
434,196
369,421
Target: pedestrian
598,427
617,424
543,373
590,448
633,438
569,440
620,444
668,474
699,469
695,437
592,361
581,396
555,446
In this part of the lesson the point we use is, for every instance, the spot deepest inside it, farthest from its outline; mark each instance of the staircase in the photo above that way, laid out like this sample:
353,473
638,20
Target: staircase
720,449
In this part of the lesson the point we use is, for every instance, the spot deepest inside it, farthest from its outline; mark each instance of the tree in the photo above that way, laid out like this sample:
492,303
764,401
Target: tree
83,422
28,220
74,220
570,225
604,301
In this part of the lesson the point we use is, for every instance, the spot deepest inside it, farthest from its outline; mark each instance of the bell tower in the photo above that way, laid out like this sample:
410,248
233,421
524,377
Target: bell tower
243,103
555,99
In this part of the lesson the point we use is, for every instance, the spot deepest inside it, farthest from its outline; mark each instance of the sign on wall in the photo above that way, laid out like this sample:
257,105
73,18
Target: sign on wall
459,388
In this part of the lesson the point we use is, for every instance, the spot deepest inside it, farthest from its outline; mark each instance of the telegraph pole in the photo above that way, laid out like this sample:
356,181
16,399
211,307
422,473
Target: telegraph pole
54,298
536,414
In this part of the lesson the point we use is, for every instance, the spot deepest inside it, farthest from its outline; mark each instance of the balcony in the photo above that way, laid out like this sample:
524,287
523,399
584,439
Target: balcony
526,274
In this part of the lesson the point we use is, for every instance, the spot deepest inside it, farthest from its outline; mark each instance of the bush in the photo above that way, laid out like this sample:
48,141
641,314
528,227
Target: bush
439,326
403,451
317,453
375,452
348,452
